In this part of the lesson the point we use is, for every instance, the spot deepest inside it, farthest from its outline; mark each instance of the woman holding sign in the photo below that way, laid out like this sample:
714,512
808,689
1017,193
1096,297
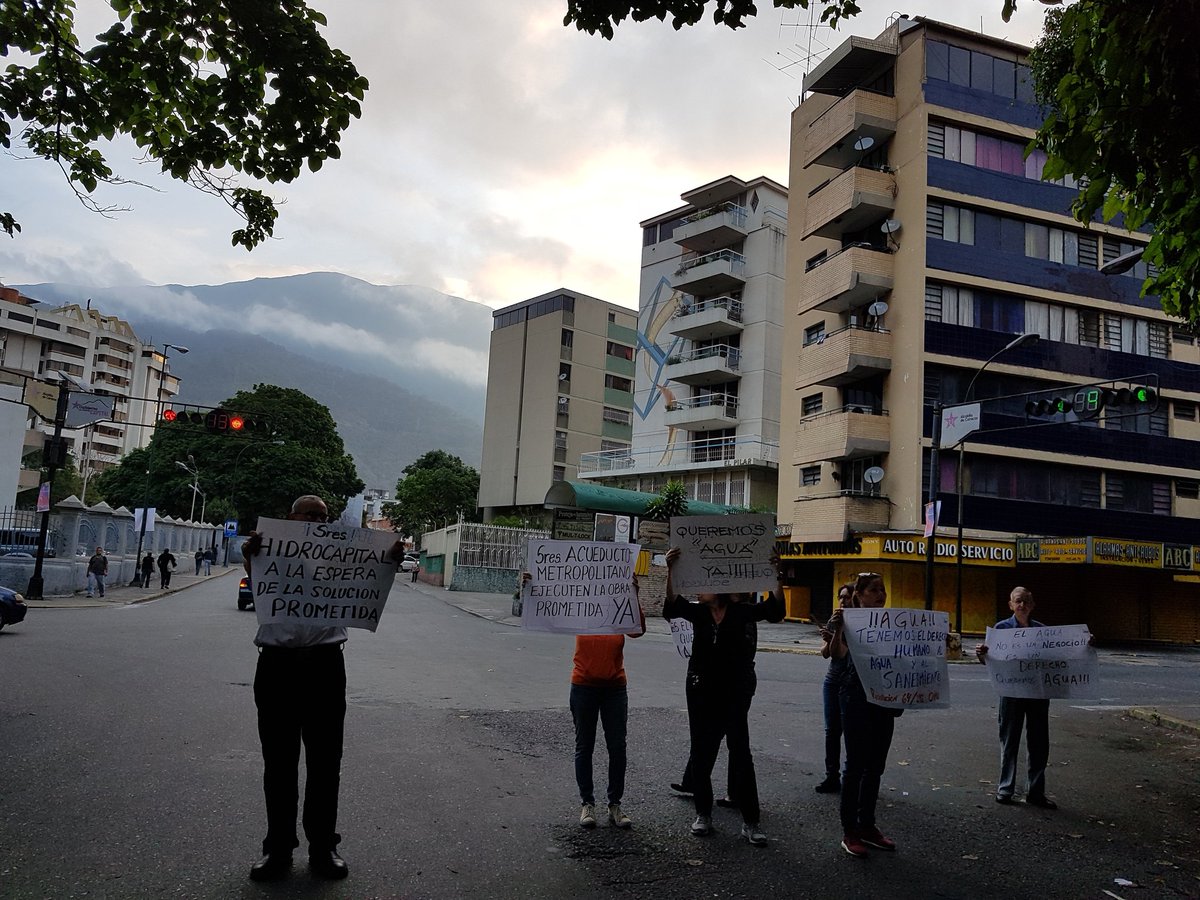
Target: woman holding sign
719,692
868,732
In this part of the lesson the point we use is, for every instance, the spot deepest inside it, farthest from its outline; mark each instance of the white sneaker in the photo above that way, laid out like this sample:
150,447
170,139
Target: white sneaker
617,818
587,816
702,825
754,835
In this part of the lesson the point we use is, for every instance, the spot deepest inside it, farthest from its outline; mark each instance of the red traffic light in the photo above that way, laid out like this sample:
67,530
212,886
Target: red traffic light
169,415
236,422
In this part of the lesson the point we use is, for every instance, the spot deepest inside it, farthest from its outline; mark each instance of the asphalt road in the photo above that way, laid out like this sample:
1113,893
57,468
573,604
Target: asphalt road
131,769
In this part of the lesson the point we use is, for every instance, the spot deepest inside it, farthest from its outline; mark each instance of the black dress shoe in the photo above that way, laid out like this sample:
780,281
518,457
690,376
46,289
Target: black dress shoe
829,786
271,867
1043,802
681,789
1006,799
327,864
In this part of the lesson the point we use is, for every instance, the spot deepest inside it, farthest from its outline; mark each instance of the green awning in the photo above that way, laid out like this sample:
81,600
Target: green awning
597,497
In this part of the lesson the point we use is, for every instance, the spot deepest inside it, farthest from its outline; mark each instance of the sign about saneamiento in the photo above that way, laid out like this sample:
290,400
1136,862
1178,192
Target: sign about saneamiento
321,574
1042,663
580,587
723,554
900,655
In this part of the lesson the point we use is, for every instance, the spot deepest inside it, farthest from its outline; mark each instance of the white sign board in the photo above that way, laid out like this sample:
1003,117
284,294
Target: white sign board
723,554
683,632
900,656
1041,663
137,519
321,574
958,422
580,587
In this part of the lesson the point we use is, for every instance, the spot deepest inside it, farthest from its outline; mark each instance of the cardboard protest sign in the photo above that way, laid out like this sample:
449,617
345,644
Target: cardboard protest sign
684,633
321,574
580,587
723,554
900,656
1041,663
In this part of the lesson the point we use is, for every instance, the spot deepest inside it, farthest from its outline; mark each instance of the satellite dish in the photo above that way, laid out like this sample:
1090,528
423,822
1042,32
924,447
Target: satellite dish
873,475
863,144
877,309
562,376
891,226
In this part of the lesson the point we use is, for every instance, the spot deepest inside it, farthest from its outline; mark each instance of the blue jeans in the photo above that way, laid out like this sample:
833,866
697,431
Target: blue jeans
611,706
830,694
1035,715
95,581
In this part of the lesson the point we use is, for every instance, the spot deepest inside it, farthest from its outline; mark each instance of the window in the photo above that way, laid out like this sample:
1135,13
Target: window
811,405
810,475
568,338
612,316
564,373
617,383
617,416
950,223
814,334
853,472
1184,409
560,473
619,351
606,444
1187,488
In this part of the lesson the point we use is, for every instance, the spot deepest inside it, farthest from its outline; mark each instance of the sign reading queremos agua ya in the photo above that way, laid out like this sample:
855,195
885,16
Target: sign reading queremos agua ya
314,573
900,655
723,554
580,587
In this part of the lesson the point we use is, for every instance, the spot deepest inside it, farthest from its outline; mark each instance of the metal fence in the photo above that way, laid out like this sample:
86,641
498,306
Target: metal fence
494,546
19,532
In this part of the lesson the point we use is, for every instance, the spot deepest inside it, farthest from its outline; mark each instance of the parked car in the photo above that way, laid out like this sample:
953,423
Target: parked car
411,561
245,594
12,607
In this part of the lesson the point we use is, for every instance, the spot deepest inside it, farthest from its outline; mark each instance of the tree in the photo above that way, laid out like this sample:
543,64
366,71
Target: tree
66,481
671,501
603,15
1120,79
435,489
243,476
206,88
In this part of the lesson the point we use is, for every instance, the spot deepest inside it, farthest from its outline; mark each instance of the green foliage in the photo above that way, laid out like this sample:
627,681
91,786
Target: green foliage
602,16
244,477
203,87
671,501
434,490
1120,79
66,482
511,521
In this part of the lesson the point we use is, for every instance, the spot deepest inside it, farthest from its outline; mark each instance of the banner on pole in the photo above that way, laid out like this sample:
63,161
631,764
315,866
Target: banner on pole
900,655
137,519
1042,663
43,500
580,587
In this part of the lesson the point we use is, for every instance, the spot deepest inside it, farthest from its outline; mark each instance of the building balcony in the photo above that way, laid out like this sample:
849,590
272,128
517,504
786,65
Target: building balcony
706,319
845,356
846,433
834,517
704,365
681,456
710,273
832,135
707,412
851,277
712,228
849,202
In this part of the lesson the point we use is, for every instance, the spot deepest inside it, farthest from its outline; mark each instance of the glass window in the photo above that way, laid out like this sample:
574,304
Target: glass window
1037,241
810,475
811,405
937,60
1025,84
617,383
981,71
1004,78
814,334
959,66
568,337
620,351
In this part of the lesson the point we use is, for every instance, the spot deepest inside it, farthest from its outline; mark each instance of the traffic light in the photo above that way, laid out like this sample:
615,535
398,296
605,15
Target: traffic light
218,421
1088,401
1049,406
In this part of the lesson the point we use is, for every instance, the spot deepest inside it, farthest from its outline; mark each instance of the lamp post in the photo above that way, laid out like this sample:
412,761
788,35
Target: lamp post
162,375
194,471
233,489
1021,340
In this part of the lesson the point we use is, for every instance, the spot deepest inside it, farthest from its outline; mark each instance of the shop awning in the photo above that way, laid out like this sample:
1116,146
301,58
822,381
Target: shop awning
596,497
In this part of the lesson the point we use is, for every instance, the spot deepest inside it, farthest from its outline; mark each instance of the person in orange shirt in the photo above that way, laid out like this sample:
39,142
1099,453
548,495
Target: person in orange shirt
598,691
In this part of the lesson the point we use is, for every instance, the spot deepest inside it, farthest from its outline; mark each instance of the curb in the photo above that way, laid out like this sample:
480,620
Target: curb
1154,717
76,601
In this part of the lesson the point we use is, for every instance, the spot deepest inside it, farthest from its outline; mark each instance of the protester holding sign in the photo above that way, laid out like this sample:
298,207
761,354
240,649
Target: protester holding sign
300,693
1014,712
720,687
868,730
831,689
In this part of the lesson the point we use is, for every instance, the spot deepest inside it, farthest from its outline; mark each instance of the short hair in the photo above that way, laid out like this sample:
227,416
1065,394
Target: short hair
1020,590
307,497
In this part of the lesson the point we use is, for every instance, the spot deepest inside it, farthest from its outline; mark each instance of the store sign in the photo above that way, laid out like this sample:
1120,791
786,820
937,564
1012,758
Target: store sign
1140,554
910,548
1052,550
1179,557
574,525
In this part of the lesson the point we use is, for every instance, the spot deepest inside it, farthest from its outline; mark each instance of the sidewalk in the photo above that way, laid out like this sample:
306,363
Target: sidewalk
125,594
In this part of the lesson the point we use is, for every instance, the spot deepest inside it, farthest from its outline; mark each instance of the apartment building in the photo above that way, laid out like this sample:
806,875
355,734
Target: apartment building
707,398
98,351
924,242
560,385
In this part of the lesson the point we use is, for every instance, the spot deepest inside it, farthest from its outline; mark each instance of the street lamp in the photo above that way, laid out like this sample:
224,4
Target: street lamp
1021,340
162,376
194,471
233,488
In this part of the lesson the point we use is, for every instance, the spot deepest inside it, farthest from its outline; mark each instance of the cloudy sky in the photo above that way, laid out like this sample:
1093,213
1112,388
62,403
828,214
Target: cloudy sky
499,155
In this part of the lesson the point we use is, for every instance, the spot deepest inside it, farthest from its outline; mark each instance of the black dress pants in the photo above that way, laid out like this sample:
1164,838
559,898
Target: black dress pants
301,698
714,712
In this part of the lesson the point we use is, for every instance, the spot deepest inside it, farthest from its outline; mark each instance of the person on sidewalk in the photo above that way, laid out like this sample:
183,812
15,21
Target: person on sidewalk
1017,711
147,568
97,571
831,689
166,565
719,694
300,695
199,560
868,730
210,556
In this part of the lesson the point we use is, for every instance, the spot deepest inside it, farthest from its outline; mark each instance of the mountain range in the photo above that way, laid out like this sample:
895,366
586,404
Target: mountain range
403,369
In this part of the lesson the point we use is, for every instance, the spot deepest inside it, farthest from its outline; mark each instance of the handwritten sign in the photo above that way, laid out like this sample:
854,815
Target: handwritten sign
580,587
683,632
314,573
1041,663
723,554
900,656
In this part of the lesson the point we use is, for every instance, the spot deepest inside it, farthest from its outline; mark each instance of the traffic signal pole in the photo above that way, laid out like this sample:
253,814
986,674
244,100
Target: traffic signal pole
53,456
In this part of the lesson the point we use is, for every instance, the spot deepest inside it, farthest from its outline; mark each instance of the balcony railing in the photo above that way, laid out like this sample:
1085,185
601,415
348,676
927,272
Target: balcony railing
681,455
720,225
729,401
848,433
844,356
709,273
707,319
731,306
849,202
853,276
860,114
833,517
704,365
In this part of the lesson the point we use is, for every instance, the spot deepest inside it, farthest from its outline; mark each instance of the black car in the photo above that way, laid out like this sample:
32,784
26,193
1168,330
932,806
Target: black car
12,607
245,594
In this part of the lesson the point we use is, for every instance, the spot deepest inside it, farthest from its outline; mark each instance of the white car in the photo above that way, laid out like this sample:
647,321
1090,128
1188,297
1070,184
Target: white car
411,561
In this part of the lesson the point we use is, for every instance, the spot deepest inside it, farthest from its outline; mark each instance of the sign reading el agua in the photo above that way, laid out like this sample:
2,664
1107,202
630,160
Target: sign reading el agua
1041,663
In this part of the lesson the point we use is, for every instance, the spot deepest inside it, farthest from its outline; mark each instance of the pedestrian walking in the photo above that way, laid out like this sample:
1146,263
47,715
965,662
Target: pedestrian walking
867,728
147,568
719,695
831,689
166,565
199,560
210,556
97,571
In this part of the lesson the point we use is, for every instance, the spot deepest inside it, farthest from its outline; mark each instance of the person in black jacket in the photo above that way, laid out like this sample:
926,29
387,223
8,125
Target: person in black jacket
166,564
720,686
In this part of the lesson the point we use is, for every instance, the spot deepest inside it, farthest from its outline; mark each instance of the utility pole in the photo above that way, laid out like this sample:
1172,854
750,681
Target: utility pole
54,456
931,513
